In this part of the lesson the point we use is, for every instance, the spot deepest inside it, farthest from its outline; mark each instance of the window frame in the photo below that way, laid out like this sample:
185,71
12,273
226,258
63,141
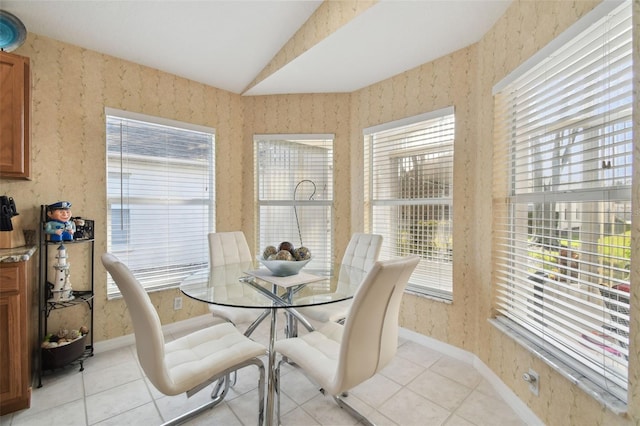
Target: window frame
434,275
565,295
300,193
131,189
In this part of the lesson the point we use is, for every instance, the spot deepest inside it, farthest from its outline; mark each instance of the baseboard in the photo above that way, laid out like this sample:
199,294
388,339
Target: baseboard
522,409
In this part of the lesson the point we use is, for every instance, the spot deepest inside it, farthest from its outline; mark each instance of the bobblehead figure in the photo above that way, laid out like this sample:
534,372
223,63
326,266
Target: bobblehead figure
60,227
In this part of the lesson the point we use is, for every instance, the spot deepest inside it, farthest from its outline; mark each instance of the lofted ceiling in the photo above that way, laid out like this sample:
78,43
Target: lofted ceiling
266,46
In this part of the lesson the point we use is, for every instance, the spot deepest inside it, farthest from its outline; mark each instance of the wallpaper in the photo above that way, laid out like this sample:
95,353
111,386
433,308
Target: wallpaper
71,87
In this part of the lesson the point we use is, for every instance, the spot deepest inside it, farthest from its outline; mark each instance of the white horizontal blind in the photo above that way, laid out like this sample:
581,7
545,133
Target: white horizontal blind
409,171
300,166
564,129
161,199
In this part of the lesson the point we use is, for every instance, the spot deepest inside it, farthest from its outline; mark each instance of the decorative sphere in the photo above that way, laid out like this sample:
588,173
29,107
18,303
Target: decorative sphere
286,245
284,255
302,253
269,251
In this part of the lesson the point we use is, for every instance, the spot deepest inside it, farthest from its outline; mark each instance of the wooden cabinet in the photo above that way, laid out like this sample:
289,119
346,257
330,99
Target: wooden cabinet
15,353
15,101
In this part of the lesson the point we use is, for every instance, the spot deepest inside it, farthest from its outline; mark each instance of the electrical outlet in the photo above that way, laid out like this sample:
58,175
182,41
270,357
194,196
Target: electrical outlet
533,379
177,303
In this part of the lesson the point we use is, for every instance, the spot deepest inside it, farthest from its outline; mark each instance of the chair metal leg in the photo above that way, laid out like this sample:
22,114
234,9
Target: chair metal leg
343,394
220,390
338,398
352,411
261,390
222,385
277,388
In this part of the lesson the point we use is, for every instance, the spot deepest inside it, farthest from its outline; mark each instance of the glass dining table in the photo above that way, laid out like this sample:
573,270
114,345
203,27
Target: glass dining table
243,285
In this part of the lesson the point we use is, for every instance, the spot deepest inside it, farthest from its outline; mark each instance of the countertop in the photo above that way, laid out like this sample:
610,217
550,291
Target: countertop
17,254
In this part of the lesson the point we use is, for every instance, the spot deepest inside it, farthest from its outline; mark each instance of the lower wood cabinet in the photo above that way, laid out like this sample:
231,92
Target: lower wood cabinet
15,350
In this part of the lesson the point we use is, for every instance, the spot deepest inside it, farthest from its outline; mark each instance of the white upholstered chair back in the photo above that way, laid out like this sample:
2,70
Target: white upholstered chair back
231,248
363,250
147,328
228,247
370,335
361,253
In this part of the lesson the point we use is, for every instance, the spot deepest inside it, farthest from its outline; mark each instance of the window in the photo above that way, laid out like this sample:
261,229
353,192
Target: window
564,133
409,195
160,195
119,220
294,194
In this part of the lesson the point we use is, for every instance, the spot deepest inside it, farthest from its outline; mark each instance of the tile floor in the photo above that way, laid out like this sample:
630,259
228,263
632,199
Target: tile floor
419,387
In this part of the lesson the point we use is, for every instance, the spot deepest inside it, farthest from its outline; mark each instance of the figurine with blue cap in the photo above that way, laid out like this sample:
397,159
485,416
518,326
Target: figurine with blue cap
60,227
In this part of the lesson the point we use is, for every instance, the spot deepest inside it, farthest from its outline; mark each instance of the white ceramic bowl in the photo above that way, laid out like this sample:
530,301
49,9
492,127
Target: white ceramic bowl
284,268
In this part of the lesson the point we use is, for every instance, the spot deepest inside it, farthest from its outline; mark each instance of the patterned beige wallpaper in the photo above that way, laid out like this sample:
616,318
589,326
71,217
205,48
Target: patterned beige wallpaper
71,87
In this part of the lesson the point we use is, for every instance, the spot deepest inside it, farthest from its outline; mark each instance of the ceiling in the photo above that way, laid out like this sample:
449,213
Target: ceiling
228,44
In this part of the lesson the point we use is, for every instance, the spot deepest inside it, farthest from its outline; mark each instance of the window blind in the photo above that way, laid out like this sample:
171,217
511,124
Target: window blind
409,195
564,140
294,194
161,198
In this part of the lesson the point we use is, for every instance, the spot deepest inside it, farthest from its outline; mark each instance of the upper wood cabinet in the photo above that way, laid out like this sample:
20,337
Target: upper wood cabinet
15,102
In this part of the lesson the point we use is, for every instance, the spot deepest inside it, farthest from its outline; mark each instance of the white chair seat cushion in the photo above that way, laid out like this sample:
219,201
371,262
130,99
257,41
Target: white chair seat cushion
331,312
192,359
316,353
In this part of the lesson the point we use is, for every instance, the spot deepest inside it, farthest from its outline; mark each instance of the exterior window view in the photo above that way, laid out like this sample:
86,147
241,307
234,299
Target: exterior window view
409,191
564,255
160,189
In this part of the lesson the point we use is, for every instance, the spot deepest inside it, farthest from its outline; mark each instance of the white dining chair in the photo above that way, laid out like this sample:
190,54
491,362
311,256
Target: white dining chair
231,248
192,362
361,253
339,357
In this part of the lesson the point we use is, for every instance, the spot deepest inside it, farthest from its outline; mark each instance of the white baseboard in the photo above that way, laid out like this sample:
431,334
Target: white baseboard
521,409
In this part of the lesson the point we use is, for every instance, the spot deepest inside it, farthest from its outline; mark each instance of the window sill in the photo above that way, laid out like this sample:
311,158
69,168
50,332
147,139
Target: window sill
428,293
592,389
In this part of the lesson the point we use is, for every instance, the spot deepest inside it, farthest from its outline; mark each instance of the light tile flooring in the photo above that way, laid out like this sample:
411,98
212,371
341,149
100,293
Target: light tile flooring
419,387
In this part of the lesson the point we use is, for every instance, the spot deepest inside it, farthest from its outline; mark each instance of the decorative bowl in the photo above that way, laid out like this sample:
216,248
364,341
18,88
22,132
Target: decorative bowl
284,268
60,356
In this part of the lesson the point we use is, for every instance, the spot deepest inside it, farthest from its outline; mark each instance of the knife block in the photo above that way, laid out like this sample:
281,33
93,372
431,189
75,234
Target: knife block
15,238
